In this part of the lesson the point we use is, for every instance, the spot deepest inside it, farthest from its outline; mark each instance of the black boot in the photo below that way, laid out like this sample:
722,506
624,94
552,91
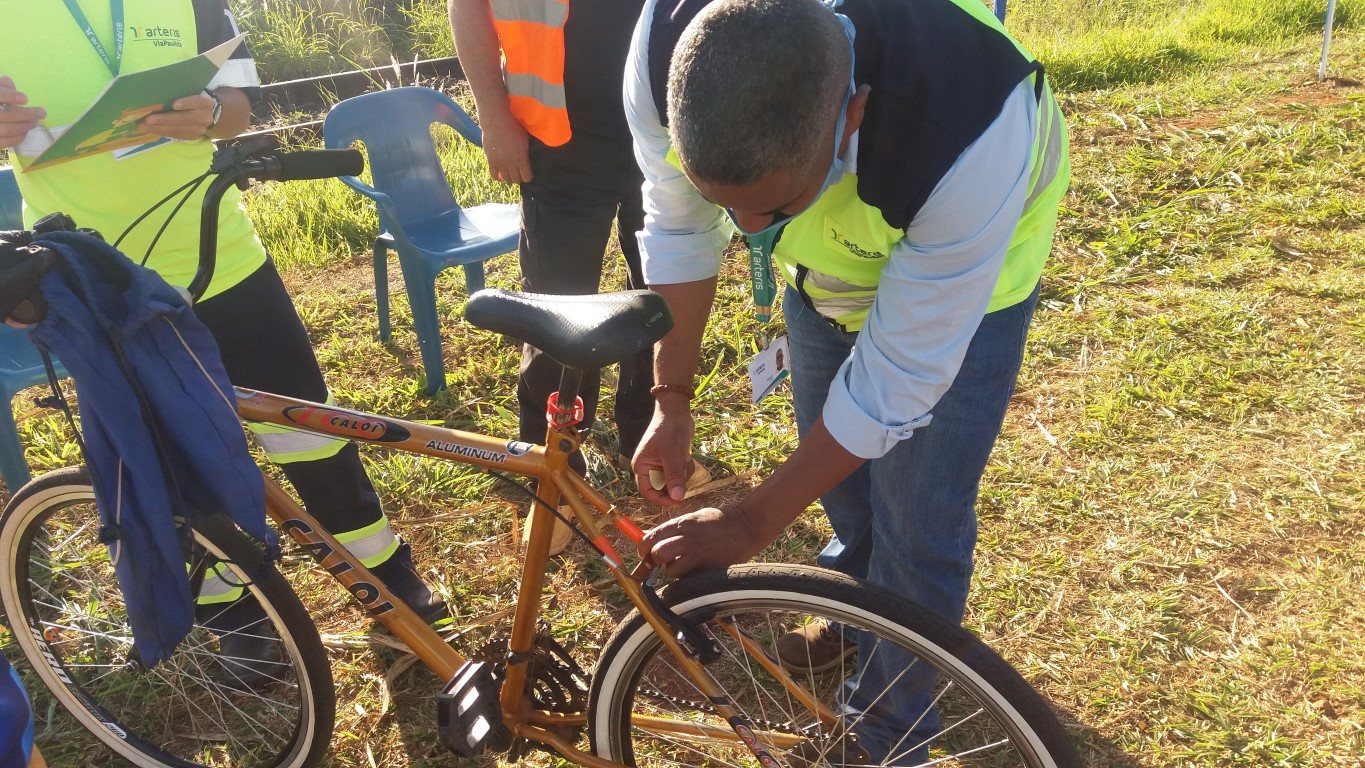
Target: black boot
250,655
399,575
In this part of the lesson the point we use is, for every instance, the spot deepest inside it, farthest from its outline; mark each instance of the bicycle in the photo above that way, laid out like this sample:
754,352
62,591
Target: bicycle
690,676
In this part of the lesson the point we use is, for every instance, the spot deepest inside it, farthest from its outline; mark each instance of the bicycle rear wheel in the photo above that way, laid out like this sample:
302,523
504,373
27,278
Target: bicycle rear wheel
977,711
67,614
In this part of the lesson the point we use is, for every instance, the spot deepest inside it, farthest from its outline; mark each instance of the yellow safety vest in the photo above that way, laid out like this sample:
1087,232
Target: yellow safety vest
49,58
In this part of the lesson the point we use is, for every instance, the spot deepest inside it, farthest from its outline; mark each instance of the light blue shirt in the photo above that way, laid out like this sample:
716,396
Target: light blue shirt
934,289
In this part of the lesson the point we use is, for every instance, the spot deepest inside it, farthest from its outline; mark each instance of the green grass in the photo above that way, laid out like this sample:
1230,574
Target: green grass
1172,526
1088,45
304,38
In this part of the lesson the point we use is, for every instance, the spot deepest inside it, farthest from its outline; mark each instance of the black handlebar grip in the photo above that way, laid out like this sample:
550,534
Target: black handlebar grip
314,164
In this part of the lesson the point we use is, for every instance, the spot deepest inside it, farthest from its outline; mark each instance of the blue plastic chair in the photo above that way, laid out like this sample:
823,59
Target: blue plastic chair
11,204
418,215
20,364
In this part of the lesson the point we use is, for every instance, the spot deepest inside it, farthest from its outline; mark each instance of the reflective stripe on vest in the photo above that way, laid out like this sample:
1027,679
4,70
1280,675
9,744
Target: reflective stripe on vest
1049,148
532,37
217,587
834,252
286,444
373,544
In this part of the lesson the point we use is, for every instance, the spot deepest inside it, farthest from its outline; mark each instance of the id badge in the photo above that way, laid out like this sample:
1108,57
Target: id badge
769,368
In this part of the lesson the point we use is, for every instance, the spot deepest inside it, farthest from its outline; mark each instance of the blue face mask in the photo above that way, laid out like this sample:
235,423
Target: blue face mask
836,168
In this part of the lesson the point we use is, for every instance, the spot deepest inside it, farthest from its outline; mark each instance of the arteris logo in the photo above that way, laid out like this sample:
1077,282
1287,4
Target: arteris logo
160,37
346,424
852,247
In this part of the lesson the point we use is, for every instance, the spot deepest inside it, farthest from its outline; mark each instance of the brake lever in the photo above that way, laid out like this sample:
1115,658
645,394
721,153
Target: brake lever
236,158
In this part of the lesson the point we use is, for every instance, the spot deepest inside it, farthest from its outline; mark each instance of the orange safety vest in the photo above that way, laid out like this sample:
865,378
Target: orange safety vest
532,35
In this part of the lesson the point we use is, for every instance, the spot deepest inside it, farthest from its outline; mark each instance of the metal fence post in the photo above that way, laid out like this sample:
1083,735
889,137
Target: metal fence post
1326,38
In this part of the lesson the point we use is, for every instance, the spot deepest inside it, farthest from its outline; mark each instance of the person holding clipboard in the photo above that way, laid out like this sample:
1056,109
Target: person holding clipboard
263,343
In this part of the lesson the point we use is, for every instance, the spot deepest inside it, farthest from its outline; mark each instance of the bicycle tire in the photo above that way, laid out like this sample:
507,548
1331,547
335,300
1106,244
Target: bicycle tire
66,612
988,714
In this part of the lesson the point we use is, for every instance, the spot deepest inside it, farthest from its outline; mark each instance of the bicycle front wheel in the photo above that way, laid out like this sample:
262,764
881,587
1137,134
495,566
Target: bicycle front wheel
901,686
69,620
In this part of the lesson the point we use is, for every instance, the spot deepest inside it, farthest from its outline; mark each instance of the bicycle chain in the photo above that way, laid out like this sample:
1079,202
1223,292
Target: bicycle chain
557,684
554,681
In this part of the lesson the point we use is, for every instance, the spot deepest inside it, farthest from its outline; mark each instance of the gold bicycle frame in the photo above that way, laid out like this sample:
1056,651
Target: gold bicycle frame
557,484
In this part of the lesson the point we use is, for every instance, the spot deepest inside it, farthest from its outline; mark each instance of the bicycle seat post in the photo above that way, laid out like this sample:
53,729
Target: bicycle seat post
561,441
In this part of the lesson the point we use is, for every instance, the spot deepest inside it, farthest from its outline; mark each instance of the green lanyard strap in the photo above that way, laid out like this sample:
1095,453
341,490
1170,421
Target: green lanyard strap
761,277
116,8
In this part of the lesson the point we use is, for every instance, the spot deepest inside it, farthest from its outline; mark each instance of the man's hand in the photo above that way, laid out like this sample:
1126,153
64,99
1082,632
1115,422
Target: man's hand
707,538
507,147
711,538
189,119
666,450
16,120
476,43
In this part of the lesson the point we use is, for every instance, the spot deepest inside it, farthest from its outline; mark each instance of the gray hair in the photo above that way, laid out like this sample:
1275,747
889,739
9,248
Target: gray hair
754,87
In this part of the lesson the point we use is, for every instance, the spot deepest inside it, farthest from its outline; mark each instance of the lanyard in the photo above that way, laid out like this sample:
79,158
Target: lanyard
761,277
116,8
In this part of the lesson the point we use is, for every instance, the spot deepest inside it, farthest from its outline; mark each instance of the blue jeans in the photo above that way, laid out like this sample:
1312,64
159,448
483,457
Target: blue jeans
907,521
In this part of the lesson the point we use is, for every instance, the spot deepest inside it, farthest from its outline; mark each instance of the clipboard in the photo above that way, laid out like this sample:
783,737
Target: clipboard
112,121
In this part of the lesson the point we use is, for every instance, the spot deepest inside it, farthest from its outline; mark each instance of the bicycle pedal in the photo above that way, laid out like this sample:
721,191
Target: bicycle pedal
468,713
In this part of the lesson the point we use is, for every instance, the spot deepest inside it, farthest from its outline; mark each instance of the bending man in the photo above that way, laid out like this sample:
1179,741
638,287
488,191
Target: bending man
908,159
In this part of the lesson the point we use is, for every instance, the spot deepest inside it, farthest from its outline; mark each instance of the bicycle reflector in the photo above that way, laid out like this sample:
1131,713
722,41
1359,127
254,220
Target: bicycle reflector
468,714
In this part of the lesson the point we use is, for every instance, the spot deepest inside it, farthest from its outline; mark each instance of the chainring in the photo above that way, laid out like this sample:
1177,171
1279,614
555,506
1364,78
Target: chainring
554,683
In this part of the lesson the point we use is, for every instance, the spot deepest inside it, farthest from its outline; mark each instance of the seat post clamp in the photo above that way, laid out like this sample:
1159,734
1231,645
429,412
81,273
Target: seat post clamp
559,417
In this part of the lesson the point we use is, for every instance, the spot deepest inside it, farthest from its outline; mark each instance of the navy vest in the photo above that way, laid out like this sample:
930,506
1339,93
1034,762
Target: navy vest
939,78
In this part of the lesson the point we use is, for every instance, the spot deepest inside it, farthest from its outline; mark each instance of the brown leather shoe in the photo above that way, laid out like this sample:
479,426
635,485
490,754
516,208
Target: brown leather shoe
816,647
699,479
559,541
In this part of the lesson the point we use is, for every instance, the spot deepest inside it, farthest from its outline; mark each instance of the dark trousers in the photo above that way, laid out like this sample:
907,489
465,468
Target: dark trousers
264,346
567,210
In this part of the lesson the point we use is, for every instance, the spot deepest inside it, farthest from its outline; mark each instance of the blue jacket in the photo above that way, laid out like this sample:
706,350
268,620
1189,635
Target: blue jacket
145,369
16,720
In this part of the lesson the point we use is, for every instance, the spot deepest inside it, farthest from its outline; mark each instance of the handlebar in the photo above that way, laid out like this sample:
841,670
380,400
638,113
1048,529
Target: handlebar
23,262
236,165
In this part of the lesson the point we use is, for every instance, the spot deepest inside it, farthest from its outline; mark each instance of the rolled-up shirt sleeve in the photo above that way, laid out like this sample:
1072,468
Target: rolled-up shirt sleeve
685,235
935,289
217,25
